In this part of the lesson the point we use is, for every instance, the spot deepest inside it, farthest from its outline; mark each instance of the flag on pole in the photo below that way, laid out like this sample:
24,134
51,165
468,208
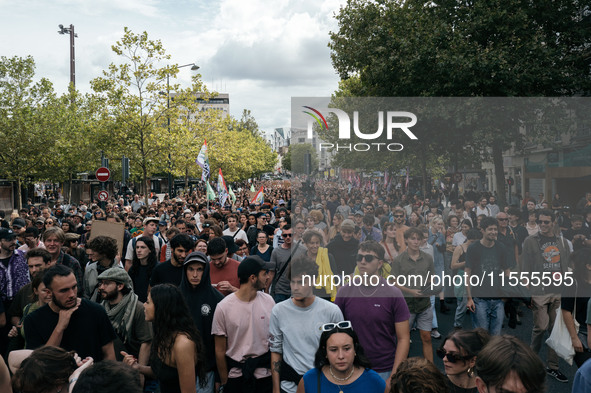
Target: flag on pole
232,195
259,197
385,178
210,192
203,161
222,189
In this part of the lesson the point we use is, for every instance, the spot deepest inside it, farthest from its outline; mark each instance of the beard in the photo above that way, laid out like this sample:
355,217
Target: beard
109,296
62,305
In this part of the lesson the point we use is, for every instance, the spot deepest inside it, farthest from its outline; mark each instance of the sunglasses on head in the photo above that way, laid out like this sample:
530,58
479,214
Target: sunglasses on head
368,257
451,357
327,327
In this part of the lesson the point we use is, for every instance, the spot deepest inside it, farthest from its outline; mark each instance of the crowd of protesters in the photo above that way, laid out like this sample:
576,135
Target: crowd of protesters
203,296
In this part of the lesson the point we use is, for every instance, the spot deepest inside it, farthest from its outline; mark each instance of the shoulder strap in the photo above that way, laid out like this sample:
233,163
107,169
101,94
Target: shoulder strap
319,371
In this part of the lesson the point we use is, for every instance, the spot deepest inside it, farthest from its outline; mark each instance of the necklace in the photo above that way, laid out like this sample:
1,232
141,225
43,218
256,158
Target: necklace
370,295
341,379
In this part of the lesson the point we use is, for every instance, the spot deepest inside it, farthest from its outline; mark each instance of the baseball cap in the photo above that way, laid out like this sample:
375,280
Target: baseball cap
7,234
252,265
195,256
230,244
19,222
348,225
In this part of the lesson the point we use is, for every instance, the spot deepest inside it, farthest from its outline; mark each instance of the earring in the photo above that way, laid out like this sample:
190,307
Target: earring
470,372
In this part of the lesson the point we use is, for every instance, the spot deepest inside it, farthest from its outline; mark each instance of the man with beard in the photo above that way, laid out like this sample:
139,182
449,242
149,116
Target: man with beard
294,333
202,300
171,271
344,248
224,270
54,239
241,330
70,322
126,313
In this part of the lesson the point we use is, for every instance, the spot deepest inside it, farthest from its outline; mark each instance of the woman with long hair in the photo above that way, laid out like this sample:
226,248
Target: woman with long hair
340,364
314,242
335,229
458,352
415,219
177,357
389,242
143,262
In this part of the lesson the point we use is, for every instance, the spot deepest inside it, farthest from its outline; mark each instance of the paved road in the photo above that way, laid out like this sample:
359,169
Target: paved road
522,331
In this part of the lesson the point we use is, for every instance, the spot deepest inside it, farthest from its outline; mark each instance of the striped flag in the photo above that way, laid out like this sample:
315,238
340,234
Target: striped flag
259,197
203,161
222,189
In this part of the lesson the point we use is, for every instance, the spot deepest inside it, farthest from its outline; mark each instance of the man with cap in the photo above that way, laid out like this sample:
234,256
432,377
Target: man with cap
104,250
241,330
150,227
202,300
71,248
18,227
126,313
32,239
224,270
171,271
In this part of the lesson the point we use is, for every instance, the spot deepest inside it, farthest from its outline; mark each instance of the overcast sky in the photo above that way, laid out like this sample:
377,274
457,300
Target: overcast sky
261,52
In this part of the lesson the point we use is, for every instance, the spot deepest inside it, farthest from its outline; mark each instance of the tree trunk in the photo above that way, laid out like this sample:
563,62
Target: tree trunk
145,185
497,156
70,188
19,198
186,178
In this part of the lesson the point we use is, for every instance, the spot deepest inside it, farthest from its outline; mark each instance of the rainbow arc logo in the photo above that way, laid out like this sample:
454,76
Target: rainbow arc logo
318,118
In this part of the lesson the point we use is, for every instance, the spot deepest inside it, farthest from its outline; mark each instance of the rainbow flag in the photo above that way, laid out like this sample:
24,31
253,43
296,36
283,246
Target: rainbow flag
222,189
259,197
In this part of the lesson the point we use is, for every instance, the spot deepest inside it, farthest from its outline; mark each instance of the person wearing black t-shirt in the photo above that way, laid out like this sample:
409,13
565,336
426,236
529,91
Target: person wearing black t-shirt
70,322
545,256
486,259
171,271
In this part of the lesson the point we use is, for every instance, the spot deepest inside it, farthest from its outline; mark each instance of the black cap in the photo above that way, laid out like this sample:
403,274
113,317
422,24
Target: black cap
196,256
252,265
19,222
6,234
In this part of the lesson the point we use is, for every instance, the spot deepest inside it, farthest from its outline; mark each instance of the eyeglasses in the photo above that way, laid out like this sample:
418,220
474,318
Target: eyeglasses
398,215
451,357
287,235
545,222
368,257
327,327
502,219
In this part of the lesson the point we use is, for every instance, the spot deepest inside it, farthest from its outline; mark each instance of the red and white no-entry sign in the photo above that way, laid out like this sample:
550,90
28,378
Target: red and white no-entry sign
103,174
103,196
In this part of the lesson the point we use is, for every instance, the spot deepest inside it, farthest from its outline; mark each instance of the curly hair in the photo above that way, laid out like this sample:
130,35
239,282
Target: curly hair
48,367
171,318
418,375
104,245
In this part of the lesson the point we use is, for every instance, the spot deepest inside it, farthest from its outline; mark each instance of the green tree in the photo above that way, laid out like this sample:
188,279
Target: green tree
499,48
136,106
295,158
24,121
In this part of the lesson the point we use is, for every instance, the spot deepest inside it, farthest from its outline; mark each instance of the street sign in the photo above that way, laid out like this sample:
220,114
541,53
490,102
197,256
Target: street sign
103,174
103,196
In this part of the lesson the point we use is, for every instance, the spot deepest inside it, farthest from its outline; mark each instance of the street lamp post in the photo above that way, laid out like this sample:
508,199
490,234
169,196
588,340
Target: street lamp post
171,188
70,31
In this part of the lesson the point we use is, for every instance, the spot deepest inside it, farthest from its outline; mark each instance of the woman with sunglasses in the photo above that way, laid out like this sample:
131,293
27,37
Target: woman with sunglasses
459,352
340,364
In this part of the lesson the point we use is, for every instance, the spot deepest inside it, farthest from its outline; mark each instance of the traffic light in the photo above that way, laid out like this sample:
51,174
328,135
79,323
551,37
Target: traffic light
510,181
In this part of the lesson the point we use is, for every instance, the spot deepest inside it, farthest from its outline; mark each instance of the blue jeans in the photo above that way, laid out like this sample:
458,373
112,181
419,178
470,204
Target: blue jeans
489,314
279,297
209,387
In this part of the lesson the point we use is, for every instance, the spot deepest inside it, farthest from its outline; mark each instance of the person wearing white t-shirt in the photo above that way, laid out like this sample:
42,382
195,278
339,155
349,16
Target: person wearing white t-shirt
233,229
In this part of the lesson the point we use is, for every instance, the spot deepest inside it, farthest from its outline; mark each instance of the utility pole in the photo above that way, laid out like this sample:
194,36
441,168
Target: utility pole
70,31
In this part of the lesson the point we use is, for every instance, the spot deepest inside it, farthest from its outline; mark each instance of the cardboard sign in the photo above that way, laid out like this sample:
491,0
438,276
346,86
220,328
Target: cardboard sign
115,230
